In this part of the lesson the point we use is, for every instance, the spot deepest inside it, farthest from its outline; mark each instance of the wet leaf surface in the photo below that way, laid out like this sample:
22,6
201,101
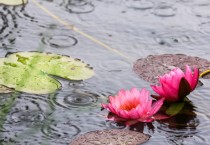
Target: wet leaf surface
151,67
13,2
29,71
111,137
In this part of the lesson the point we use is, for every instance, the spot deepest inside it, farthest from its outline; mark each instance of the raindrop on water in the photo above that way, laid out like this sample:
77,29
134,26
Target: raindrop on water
164,10
59,41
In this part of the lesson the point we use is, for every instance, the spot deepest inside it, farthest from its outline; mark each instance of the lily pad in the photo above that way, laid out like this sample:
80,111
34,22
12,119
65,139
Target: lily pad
13,2
6,90
29,71
151,67
111,137
53,64
25,79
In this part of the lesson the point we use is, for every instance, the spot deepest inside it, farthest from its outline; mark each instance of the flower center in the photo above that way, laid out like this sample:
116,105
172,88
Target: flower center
129,105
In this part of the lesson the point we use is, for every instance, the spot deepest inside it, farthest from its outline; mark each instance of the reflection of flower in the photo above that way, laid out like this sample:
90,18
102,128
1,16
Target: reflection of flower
176,85
133,105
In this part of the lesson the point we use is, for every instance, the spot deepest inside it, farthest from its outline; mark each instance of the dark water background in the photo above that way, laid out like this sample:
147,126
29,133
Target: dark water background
135,28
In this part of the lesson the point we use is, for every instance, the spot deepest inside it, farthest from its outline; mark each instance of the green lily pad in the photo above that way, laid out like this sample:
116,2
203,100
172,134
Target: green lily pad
53,64
29,71
13,2
25,79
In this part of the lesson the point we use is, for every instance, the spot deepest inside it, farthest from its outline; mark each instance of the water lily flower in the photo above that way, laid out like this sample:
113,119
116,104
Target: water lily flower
133,105
176,85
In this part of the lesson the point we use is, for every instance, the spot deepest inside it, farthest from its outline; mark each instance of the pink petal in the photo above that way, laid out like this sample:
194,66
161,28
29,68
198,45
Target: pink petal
134,114
175,82
144,96
123,114
156,107
188,75
159,90
195,78
172,94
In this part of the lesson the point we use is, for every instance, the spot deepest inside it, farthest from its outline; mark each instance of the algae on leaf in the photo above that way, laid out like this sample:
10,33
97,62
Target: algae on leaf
25,79
29,71
13,2
53,64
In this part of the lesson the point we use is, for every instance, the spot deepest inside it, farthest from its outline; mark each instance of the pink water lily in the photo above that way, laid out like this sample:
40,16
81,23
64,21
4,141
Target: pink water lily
176,85
133,105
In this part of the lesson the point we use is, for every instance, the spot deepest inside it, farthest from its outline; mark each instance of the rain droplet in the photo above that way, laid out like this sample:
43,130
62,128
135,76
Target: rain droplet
164,10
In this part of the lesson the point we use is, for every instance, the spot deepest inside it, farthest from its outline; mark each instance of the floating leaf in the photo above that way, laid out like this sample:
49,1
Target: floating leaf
151,67
175,108
58,65
13,2
4,89
29,71
27,80
111,137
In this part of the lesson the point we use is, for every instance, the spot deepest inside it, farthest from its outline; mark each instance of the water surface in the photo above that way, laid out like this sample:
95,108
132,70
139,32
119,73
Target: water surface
136,28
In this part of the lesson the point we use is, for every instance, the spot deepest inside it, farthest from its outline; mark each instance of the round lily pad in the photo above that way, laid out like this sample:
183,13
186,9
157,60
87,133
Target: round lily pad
13,2
25,79
151,67
30,71
53,64
111,137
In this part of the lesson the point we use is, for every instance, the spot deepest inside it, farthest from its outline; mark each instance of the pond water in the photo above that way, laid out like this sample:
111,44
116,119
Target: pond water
129,30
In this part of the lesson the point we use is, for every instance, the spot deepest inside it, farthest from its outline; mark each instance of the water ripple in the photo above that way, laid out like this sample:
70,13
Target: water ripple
205,28
202,10
140,4
8,28
22,13
58,41
115,125
175,37
29,110
59,132
75,99
78,6
164,10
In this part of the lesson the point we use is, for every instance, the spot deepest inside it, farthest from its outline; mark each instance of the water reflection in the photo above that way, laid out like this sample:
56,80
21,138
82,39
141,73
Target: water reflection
181,126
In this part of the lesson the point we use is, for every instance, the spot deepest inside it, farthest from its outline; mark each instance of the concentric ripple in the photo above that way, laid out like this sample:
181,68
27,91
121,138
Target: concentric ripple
205,28
141,4
202,10
59,41
79,6
24,117
75,99
22,13
164,10
8,27
29,110
59,132
175,37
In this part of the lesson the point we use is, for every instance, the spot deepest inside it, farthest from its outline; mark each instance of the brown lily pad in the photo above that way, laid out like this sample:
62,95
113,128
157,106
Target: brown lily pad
151,67
111,137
